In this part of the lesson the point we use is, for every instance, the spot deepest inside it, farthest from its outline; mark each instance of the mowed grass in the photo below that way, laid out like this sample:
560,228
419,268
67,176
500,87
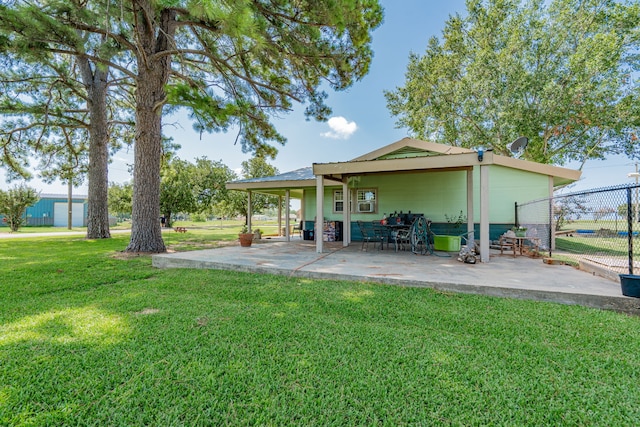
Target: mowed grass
90,337
602,246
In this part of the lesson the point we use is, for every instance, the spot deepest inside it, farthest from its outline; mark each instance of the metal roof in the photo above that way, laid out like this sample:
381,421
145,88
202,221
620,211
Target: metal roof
303,174
62,196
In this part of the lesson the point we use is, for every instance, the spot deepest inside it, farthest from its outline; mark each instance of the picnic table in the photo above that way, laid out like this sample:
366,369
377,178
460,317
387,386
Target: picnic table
180,229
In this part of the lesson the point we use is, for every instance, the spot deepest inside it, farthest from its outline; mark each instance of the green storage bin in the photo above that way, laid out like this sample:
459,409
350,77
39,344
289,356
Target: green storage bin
446,243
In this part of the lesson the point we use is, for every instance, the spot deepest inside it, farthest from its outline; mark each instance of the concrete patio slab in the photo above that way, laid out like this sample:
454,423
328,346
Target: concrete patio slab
503,276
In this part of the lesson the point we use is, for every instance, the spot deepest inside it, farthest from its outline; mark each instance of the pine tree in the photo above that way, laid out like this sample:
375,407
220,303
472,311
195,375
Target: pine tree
232,64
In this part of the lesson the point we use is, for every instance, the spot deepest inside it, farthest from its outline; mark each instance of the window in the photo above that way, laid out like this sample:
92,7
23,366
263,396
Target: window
338,201
366,200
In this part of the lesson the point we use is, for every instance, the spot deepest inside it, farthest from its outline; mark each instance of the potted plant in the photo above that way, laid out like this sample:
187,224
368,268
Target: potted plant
454,222
245,237
520,231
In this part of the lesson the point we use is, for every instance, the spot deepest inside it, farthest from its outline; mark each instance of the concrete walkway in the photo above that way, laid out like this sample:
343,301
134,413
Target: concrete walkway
19,235
503,276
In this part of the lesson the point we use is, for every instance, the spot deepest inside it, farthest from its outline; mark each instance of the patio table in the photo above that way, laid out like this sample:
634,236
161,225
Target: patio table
520,243
535,243
392,232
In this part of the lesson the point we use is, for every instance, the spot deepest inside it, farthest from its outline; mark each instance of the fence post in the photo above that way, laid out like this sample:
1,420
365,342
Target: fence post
551,226
629,230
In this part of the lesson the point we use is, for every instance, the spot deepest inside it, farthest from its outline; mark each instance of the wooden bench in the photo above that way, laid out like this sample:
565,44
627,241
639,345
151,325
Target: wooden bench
180,229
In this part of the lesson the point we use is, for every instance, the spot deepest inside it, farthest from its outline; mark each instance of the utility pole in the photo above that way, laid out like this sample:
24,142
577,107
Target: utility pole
69,205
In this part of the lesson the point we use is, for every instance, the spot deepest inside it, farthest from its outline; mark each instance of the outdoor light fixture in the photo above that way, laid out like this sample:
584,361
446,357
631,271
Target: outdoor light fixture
481,151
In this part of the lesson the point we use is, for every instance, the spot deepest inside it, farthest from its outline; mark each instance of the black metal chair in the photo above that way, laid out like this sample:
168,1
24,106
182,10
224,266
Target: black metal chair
369,234
380,233
366,235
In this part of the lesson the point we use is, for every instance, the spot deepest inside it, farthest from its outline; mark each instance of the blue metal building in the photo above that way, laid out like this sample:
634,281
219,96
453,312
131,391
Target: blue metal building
52,209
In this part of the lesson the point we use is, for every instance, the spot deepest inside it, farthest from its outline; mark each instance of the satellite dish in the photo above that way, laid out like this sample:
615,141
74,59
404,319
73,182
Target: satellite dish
518,146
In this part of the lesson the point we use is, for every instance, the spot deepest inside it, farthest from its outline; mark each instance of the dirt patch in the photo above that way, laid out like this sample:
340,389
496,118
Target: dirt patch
202,321
148,311
176,247
132,255
194,245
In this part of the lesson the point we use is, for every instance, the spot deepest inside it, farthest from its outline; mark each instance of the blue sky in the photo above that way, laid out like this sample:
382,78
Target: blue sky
361,121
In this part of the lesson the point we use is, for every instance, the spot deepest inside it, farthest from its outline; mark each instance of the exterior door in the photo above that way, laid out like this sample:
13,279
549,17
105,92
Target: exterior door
60,214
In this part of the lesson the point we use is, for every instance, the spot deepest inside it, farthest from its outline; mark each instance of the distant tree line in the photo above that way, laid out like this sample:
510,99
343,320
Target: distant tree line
199,188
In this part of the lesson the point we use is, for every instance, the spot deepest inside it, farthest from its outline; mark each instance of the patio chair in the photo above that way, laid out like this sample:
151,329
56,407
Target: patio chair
366,235
380,234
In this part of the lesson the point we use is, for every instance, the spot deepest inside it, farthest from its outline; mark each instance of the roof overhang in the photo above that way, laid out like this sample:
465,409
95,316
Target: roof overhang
560,175
270,185
279,188
446,162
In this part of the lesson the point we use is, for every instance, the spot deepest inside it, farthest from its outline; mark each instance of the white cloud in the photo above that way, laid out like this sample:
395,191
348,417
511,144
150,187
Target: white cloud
340,128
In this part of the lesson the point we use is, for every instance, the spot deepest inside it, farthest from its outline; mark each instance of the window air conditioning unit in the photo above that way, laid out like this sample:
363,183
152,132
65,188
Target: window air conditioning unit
366,207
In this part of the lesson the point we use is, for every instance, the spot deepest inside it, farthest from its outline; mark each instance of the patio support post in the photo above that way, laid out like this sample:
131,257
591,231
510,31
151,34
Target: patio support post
319,212
346,215
279,215
484,213
249,211
552,225
287,198
470,219
630,220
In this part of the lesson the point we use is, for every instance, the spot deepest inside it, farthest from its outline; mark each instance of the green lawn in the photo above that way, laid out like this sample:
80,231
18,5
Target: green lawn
601,246
90,337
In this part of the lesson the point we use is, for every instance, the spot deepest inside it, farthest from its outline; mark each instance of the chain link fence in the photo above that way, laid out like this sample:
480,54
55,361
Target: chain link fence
599,226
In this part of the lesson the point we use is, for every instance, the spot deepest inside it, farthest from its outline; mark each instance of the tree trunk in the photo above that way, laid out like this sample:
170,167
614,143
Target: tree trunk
153,75
98,211
146,233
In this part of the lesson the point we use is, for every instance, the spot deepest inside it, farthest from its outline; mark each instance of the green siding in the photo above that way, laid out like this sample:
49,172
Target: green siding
432,193
309,204
509,186
436,194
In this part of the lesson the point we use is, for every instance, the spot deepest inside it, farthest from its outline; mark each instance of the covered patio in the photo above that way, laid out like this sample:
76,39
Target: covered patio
505,276
422,176
478,191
